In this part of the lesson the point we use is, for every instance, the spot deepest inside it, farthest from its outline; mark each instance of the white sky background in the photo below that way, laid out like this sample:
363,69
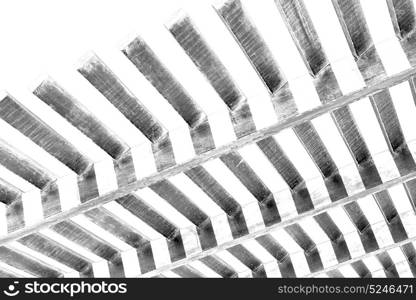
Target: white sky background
42,35
47,37
39,37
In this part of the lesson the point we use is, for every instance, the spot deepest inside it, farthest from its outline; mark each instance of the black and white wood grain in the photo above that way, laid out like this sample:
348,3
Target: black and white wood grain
250,207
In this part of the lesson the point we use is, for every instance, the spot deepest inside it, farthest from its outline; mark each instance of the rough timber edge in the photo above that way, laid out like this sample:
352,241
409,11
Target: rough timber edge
215,153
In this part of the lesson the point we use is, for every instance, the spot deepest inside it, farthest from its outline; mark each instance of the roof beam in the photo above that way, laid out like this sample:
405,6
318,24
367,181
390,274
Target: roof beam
215,153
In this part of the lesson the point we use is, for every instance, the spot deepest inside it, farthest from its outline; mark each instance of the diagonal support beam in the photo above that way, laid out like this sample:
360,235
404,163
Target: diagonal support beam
367,255
311,213
215,153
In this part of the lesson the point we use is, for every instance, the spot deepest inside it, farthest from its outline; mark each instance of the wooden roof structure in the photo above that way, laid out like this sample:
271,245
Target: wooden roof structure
318,181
